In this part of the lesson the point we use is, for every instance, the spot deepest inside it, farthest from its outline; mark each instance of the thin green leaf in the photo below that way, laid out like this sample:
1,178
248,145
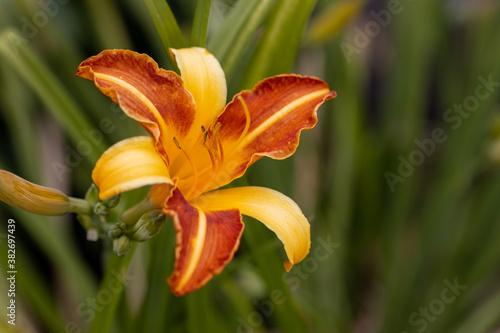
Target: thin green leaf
23,59
233,38
109,25
116,278
166,26
200,24
278,47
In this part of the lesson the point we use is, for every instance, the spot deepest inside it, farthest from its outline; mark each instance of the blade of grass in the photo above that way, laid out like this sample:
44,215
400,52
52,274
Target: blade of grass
166,26
286,315
342,135
60,104
278,46
116,271
160,305
233,38
200,23
109,25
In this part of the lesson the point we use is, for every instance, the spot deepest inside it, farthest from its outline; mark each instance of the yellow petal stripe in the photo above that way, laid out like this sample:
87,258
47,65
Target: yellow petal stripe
129,164
281,115
197,244
277,211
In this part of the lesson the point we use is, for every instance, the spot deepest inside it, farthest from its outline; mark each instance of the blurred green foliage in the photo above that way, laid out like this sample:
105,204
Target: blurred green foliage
400,179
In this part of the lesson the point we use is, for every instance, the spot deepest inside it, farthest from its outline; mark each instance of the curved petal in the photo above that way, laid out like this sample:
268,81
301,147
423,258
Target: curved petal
206,242
129,164
277,211
267,121
154,97
204,78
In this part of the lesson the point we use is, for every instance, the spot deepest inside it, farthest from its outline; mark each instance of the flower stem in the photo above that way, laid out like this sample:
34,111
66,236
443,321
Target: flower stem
79,206
134,213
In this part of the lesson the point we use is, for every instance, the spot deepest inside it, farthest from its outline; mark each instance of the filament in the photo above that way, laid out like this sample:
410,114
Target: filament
195,171
247,120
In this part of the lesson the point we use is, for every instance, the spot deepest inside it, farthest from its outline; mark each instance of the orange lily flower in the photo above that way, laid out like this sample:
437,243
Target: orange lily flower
198,144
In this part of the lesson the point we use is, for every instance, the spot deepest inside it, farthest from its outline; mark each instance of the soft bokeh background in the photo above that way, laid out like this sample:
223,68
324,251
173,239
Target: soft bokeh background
400,179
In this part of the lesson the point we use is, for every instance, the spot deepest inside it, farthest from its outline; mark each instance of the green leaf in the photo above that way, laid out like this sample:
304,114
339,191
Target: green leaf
116,278
233,38
278,47
166,26
200,24
23,59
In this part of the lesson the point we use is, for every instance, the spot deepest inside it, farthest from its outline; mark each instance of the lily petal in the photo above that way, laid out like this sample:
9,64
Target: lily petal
154,97
267,121
206,242
277,211
204,78
129,164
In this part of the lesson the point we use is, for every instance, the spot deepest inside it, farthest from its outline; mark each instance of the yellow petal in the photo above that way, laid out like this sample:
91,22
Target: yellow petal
204,78
277,211
129,164
30,197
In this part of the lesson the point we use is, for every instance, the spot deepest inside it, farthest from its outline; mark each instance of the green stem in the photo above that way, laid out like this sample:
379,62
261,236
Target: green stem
133,214
79,206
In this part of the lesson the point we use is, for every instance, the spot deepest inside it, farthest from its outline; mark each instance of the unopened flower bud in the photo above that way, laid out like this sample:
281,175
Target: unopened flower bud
121,246
30,197
148,225
115,231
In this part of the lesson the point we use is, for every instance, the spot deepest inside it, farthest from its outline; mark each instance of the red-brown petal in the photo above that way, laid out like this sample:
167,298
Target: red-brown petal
206,242
279,108
154,97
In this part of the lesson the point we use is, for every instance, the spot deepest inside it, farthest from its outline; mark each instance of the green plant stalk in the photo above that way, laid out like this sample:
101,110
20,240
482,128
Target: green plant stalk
336,213
287,314
404,111
233,39
109,25
166,26
60,250
30,67
116,268
133,214
158,310
278,46
200,313
20,123
483,318
200,23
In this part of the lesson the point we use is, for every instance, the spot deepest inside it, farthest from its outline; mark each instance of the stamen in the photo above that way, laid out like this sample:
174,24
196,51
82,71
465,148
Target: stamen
247,123
210,153
195,171
219,144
